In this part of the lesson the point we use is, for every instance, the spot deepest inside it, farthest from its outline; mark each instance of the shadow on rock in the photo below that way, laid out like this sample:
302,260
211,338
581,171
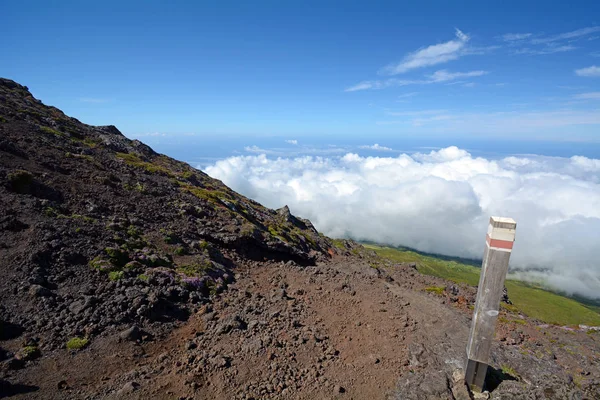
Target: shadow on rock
9,330
8,389
494,377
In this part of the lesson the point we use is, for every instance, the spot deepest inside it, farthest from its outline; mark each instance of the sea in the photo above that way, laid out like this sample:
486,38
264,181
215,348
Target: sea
203,150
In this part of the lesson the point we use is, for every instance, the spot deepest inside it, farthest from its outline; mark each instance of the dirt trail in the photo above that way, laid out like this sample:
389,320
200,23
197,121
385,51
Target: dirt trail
341,330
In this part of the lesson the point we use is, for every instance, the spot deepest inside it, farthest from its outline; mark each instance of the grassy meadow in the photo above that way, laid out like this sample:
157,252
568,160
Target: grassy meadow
532,301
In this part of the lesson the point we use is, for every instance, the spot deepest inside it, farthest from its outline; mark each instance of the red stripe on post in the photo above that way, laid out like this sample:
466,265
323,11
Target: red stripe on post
501,244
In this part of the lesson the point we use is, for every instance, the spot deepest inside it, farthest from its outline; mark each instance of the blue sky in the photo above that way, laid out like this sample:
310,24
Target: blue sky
516,70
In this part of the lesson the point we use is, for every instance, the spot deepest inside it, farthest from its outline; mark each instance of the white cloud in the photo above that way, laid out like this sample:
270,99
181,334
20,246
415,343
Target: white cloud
505,123
407,95
255,149
415,112
297,150
441,201
292,141
546,50
431,55
362,86
444,76
544,44
376,146
592,71
437,77
513,37
549,40
567,35
587,96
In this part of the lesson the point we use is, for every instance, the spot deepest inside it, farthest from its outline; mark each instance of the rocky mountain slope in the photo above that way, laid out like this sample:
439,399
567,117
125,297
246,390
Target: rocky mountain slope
127,274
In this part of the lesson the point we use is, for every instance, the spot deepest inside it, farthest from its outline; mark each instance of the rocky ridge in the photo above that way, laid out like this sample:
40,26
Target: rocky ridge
99,230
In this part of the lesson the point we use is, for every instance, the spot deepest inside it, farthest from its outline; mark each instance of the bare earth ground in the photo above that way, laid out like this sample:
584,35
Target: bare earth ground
339,330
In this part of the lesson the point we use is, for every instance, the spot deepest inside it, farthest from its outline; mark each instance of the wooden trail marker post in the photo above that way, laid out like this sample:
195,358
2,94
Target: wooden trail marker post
499,242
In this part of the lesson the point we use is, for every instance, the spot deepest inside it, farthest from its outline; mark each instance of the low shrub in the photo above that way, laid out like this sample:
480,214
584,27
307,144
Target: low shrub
20,180
77,343
115,275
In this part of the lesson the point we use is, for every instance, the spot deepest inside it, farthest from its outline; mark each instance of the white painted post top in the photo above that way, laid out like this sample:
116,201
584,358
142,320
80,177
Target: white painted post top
501,233
503,220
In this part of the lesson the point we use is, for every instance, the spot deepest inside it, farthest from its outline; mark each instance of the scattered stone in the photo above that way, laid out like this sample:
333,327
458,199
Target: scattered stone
190,345
77,307
220,362
131,334
39,291
128,388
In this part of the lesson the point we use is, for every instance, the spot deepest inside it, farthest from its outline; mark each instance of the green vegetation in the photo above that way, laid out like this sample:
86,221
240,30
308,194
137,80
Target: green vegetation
195,270
530,300
82,156
273,231
517,321
180,251
115,275
338,243
77,343
135,161
91,142
138,187
213,196
20,180
133,231
290,234
3,120
169,237
439,290
187,175
450,270
508,370
51,131
117,256
55,213
82,217
143,277
29,352
101,264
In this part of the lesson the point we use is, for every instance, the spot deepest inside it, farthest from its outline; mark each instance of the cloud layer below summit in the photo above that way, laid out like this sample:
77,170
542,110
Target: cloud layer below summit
441,202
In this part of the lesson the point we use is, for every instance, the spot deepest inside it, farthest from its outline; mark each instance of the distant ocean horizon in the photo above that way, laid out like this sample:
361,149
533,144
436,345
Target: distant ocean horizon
200,151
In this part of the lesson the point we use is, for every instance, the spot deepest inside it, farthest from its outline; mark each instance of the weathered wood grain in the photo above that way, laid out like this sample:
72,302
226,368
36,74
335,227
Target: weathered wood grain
489,293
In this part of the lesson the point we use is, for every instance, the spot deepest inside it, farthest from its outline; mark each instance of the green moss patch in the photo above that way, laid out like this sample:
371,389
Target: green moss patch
77,343
28,353
117,256
439,290
200,268
135,161
51,131
115,275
